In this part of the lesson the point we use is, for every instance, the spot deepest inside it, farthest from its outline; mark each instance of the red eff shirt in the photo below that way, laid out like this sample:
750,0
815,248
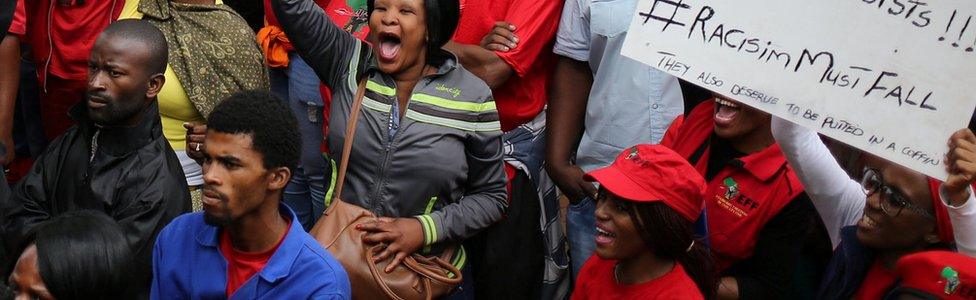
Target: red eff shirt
878,282
241,266
743,196
74,26
523,96
596,281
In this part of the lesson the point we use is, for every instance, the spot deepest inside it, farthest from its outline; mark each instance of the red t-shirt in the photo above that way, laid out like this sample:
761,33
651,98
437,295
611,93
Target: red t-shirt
242,265
17,25
523,96
73,30
596,281
878,281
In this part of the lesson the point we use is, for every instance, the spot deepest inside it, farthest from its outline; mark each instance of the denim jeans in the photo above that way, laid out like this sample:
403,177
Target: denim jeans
581,233
299,86
464,291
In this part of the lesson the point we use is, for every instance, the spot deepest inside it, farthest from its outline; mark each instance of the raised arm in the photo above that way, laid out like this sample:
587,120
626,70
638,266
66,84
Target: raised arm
957,191
326,47
838,198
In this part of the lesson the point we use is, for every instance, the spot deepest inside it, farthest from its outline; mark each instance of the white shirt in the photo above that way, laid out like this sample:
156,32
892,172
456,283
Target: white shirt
839,199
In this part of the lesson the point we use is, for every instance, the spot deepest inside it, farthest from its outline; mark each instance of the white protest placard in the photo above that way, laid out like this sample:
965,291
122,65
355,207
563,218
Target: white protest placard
891,77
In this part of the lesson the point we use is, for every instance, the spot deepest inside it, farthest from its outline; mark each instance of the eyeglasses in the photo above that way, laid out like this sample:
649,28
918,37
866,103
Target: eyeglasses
892,202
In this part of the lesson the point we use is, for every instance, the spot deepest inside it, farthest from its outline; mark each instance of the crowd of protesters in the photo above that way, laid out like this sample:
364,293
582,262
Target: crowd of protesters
184,149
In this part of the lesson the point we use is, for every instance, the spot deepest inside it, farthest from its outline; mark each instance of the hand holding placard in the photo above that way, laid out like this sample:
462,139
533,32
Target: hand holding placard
891,78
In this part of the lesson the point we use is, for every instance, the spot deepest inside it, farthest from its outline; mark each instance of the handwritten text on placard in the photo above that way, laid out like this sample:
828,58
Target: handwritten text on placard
891,77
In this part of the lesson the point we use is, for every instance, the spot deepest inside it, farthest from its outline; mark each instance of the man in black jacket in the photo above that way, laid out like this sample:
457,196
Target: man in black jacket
116,159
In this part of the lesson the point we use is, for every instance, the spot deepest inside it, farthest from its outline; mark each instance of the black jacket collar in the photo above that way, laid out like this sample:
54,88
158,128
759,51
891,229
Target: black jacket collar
120,140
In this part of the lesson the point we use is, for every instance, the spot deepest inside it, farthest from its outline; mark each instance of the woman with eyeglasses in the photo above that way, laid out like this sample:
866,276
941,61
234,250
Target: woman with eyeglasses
891,212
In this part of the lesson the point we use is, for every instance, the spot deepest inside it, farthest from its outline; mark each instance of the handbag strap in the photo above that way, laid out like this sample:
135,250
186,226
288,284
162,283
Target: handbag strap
411,262
426,269
375,272
357,103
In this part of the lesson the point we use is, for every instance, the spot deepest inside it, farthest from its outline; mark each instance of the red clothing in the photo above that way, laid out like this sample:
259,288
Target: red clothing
340,11
877,283
596,281
17,25
343,14
739,200
60,96
523,96
73,30
242,265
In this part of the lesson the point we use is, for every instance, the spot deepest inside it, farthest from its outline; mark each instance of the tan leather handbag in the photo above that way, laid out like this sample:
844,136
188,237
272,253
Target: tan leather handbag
417,277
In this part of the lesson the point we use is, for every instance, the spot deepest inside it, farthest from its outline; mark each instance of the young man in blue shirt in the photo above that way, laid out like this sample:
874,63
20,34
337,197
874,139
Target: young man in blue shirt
246,244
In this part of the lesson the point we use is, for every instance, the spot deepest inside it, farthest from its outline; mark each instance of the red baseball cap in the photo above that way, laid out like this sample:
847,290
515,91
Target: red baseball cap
650,173
943,274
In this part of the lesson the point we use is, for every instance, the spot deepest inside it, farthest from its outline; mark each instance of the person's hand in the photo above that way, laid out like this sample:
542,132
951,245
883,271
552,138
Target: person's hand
569,179
195,135
402,236
960,163
502,38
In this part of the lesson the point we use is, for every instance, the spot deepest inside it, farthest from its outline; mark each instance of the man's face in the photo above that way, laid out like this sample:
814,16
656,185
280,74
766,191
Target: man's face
236,182
118,81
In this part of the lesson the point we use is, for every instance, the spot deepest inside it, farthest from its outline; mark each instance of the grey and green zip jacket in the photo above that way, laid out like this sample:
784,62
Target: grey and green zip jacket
444,163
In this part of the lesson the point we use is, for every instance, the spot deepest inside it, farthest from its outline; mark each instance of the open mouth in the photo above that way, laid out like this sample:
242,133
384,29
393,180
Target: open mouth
604,237
725,111
389,46
867,222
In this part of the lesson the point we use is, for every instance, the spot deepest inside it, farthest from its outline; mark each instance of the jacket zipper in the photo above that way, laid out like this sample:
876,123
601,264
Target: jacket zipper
388,147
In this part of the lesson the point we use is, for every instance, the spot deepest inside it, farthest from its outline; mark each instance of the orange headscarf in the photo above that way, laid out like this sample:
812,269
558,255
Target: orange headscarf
275,45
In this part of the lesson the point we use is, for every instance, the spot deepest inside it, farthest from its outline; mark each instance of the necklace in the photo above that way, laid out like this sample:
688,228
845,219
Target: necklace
94,145
616,273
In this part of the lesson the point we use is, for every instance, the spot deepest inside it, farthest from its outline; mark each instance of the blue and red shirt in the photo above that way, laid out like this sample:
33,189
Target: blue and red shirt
188,264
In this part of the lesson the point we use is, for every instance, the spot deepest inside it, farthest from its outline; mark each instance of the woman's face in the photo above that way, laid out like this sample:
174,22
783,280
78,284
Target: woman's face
886,225
26,282
400,31
617,237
